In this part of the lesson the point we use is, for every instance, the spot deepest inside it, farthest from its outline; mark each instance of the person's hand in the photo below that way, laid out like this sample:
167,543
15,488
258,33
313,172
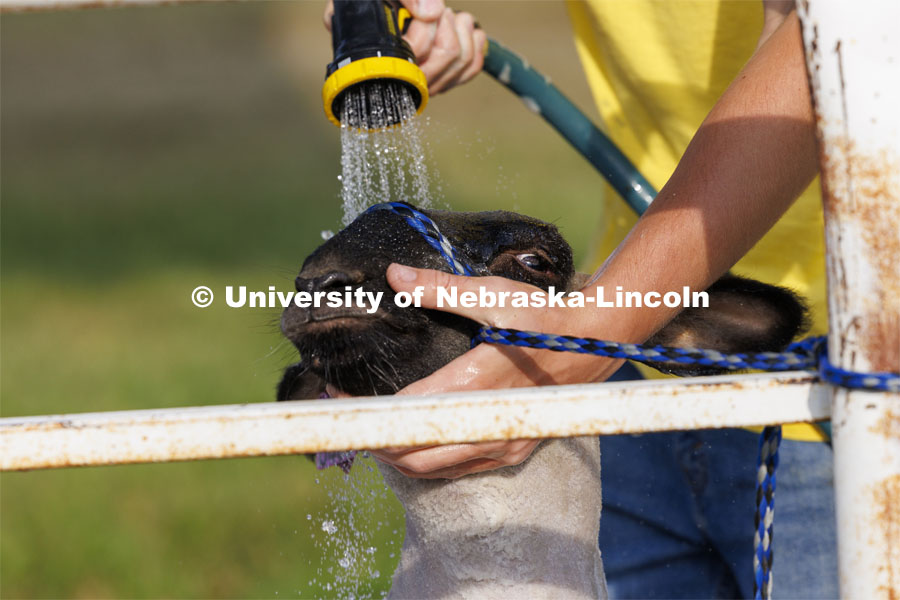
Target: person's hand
456,460
448,47
489,366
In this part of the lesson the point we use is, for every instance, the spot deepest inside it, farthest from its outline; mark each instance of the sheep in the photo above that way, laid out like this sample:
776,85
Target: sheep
526,531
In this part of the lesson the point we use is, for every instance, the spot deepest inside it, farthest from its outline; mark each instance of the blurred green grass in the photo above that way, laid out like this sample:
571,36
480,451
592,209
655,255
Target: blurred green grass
146,151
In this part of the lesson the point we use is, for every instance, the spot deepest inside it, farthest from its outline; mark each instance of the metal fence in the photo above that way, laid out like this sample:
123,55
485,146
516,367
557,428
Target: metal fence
853,57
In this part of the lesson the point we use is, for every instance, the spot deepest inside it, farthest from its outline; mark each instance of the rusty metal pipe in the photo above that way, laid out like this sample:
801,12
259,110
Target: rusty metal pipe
853,58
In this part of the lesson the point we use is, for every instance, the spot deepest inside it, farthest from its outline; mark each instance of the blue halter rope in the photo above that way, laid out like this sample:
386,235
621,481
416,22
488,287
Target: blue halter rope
809,354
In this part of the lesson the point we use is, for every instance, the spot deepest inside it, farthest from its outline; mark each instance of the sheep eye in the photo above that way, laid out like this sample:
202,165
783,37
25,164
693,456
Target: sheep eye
535,262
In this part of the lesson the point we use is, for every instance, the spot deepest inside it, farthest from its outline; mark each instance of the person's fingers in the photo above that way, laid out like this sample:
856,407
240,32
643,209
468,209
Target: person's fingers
395,452
464,373
465,28
486,456
420,37
333,392
455,472
406,279
329,12
457,460
479,43
448,47
424,10
444,49
491,366
460,50
425,460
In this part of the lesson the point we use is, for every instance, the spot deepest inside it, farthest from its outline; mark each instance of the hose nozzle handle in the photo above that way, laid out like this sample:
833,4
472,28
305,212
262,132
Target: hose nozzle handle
368,46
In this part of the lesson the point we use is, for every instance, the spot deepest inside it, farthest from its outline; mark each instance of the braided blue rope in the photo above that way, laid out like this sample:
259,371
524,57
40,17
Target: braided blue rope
801,355
810,354
429,230
767,463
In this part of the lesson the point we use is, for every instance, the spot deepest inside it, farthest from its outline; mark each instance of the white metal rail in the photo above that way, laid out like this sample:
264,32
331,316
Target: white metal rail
361,423
853,57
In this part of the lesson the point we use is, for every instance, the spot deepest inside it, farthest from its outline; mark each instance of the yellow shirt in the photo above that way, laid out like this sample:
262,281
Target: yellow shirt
655,69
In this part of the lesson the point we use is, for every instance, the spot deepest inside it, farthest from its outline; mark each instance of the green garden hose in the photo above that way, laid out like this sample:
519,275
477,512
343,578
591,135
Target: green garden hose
544,98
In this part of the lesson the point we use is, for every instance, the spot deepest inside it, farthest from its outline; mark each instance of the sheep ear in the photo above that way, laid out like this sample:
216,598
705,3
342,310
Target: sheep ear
743,316
300,383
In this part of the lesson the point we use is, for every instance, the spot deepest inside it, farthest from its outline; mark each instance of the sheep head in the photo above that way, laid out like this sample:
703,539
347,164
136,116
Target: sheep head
379,353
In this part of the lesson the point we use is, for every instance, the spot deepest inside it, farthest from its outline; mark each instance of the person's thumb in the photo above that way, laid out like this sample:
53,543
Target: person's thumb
475,298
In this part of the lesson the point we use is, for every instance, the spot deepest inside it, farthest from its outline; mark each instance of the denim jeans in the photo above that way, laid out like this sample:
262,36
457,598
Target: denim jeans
678,513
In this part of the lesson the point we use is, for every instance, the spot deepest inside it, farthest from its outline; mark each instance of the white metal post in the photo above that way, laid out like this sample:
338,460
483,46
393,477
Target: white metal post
853,58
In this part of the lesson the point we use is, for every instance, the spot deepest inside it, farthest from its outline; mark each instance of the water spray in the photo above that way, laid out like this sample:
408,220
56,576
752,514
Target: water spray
373,81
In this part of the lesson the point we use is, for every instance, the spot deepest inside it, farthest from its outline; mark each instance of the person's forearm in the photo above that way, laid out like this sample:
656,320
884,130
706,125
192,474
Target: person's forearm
750,159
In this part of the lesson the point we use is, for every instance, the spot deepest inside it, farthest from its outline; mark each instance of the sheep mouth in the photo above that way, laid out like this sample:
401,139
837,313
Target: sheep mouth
296,323
344,315
339,322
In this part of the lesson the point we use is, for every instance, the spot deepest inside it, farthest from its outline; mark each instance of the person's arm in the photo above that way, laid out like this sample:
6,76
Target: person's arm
750,159
774,14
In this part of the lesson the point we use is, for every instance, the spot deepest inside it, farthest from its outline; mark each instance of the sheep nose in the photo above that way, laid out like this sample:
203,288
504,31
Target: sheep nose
333,280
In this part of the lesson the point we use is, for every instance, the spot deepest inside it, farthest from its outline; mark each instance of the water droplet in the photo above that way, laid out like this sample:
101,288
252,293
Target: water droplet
329,527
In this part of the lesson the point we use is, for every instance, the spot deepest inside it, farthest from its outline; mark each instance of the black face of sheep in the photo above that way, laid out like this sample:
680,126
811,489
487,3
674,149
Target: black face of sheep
379,353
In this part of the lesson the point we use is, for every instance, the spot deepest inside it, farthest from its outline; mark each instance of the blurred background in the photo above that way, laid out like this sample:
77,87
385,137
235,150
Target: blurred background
146,151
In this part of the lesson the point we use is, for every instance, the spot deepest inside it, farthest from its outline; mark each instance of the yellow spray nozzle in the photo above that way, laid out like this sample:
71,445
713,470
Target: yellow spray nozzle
369,48
370,69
